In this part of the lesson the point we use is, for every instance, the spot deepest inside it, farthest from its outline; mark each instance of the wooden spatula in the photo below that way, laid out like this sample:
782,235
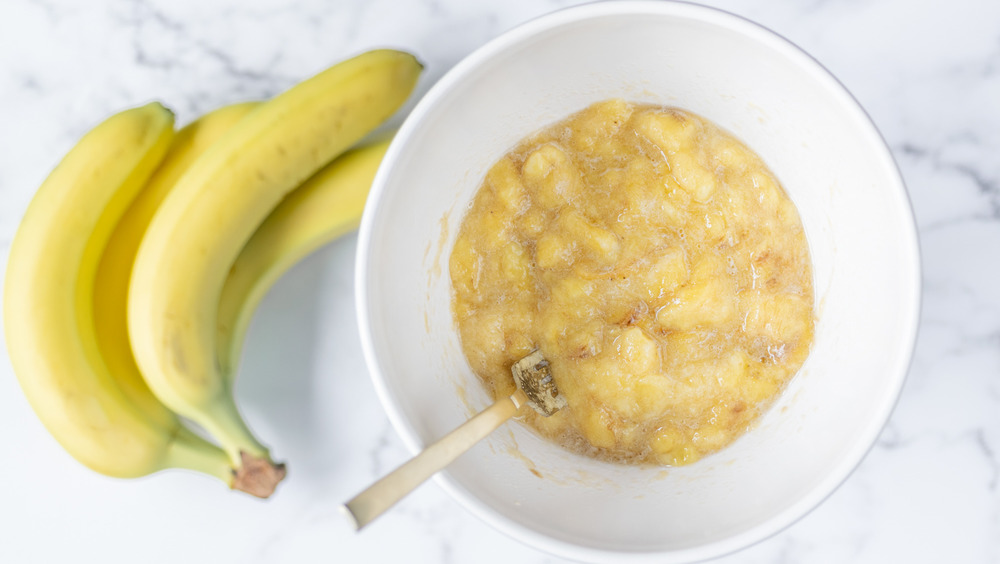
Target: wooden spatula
535,387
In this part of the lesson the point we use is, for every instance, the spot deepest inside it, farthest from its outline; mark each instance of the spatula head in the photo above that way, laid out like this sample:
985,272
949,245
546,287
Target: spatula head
534,377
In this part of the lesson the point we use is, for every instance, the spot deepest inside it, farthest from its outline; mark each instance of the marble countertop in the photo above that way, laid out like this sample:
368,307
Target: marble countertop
928,73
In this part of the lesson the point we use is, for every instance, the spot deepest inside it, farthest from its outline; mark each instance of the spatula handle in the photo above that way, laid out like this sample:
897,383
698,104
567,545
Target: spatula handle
383,494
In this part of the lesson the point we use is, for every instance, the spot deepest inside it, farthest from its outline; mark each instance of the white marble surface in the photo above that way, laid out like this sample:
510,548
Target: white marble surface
928,72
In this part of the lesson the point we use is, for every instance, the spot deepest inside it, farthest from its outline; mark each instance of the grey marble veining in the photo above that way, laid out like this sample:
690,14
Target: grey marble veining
927,72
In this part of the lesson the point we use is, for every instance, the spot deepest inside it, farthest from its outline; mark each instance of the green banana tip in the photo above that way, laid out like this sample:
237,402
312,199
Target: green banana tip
163,107
413,56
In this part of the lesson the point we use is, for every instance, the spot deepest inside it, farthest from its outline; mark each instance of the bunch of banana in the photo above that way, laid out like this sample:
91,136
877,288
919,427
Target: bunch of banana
140,261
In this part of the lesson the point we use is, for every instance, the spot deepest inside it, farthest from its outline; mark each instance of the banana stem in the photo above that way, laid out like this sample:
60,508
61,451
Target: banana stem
228,427
251,468
192,452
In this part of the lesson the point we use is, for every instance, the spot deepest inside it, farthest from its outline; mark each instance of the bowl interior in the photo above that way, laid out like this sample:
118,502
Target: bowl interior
830,160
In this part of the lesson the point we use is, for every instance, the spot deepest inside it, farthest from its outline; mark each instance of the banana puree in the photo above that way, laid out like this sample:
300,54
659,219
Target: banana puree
656,263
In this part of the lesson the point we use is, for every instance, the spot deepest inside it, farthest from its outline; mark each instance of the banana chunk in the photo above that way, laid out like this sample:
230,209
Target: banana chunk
690,175
667,271
668,130
707,301
506,182
594,132
777,317
552,176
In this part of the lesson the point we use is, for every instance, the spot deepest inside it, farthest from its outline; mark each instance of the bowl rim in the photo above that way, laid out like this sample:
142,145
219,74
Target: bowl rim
655,8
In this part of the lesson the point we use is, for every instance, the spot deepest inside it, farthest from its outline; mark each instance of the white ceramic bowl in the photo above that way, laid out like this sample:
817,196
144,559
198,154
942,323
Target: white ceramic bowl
815,138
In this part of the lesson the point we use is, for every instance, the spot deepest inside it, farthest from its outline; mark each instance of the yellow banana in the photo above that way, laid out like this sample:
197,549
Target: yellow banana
115,268
327,206
49,306
210,215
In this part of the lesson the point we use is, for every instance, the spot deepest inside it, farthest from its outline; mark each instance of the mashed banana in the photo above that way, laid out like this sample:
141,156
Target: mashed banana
659,267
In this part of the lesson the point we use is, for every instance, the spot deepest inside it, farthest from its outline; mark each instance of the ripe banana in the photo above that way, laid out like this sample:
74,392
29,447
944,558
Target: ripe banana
115,268
114,271
212,212
327,206
49,305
